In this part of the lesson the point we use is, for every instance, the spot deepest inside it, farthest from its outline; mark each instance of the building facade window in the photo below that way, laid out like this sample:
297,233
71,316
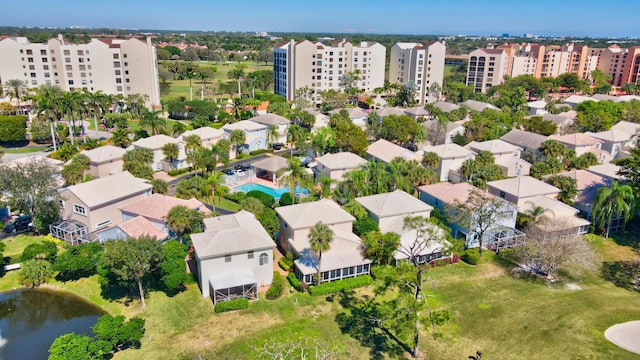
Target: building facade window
264,259
80,210
227,258
250,254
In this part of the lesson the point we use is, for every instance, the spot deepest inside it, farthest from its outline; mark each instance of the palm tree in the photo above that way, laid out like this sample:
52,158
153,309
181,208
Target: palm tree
15,88
120,138
203,75
135,103
272,134
294,135
320,238
98,102
190,74
237,109
615,200
536,213
47,106
170,152
553,149
568,188
216,179
152,121
238,138
70,106
296,175
159,186
221,151
179,219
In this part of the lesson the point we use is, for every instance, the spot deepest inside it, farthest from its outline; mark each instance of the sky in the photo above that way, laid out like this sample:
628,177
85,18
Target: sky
596,18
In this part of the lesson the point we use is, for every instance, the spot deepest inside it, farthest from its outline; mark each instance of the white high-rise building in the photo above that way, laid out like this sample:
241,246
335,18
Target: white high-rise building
319,67
114,66
421,64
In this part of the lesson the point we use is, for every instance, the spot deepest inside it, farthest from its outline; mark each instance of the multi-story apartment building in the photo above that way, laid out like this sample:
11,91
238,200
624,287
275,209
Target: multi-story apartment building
623,65
319,67
114,66
545,61
487,68
421,64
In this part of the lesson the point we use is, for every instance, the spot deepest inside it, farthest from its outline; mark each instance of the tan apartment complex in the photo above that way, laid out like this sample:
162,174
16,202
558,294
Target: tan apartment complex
487,68
318,67
114,66
421,64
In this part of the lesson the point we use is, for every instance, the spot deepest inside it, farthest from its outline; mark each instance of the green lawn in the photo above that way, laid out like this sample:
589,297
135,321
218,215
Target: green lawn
23,150
492,311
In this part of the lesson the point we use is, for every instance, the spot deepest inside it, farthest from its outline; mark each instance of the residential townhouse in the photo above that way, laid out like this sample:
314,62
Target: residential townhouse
234,257
319,67
495,147
94,205
451,158
447,197
255,134
334,166
524,139
155,144
519,190
358,116
270,120
558,220
391,209
344,258
104,160
615,142
438,135
208,135
474,105
114,66
583,143
423,65
386,151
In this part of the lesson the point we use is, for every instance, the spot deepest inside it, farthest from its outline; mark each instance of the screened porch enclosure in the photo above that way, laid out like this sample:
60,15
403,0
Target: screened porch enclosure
233,285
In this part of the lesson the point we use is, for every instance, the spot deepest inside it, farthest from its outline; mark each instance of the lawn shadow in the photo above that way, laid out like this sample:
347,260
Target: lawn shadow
358,322
629,237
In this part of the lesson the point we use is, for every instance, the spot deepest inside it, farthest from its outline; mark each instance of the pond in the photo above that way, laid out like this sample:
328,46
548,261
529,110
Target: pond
30,320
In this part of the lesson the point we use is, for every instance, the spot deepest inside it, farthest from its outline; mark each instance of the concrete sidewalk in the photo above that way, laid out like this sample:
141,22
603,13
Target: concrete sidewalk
626,335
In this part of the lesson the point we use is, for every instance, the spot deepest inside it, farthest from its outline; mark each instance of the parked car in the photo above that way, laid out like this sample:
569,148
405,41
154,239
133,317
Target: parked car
305,160
22,223
276,146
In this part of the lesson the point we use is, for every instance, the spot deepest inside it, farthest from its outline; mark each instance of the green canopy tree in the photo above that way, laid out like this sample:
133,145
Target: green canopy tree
380,247
612,201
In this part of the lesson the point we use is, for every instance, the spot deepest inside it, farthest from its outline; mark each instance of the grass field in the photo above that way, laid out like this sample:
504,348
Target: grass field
181,87
492,311
23,150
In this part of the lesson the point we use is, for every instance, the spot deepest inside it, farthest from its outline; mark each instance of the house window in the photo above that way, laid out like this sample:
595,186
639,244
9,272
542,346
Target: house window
502,194
103,224
250,254
264,259
80,210
227,258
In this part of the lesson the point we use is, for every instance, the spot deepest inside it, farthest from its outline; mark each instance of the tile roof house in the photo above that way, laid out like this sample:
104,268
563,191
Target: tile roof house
95,204
451,158
446,106
574,100
386,111
513,166
385,151
270,120
358,116
587,184
524,139
562,122
334,166
478,105
607,170
208,135
495,147
537,108
343,259
447,196
416,112
155,144
256,134
322,120
437,135
156,207
135,227
627,127
583,143
234,257
390,209
519,190
615,141
104,160
558,221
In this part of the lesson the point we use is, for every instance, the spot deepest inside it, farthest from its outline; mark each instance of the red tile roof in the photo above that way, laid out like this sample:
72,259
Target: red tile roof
157,206
139,226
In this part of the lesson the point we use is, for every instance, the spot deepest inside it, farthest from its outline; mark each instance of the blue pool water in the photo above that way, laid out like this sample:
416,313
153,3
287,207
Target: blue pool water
276,193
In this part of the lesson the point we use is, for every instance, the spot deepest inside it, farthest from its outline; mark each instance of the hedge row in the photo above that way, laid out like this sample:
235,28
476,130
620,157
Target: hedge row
284,264
294,281
232,305
260,151
179,171
277,286
266,199
340,285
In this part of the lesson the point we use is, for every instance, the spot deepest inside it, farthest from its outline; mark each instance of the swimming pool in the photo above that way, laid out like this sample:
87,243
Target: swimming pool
276,193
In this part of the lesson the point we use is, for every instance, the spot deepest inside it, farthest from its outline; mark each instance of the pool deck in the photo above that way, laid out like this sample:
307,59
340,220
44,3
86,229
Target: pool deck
257,180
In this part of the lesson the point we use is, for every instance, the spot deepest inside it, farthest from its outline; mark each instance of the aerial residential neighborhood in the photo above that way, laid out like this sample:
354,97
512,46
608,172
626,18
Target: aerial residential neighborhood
326,194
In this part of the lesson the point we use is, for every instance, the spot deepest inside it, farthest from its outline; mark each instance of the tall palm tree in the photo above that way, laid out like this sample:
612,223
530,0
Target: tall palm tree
221,151
192,142
152,121
15,88
272,134
568,188
238,138
70,106
296,175
536,213
203,75
98,102
170,152
320,238
47,106
190,74
216,179
294,135
135,103
179,220
615,200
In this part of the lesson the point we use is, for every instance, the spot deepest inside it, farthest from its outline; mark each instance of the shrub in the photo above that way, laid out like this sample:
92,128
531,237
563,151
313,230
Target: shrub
179,171
78,261
260,151
471,256
232,305
445,261
46,250
293,280
266,199
277,286
35,272
236,197
284,264
365,226
13,128
285,199
340,285
242,156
